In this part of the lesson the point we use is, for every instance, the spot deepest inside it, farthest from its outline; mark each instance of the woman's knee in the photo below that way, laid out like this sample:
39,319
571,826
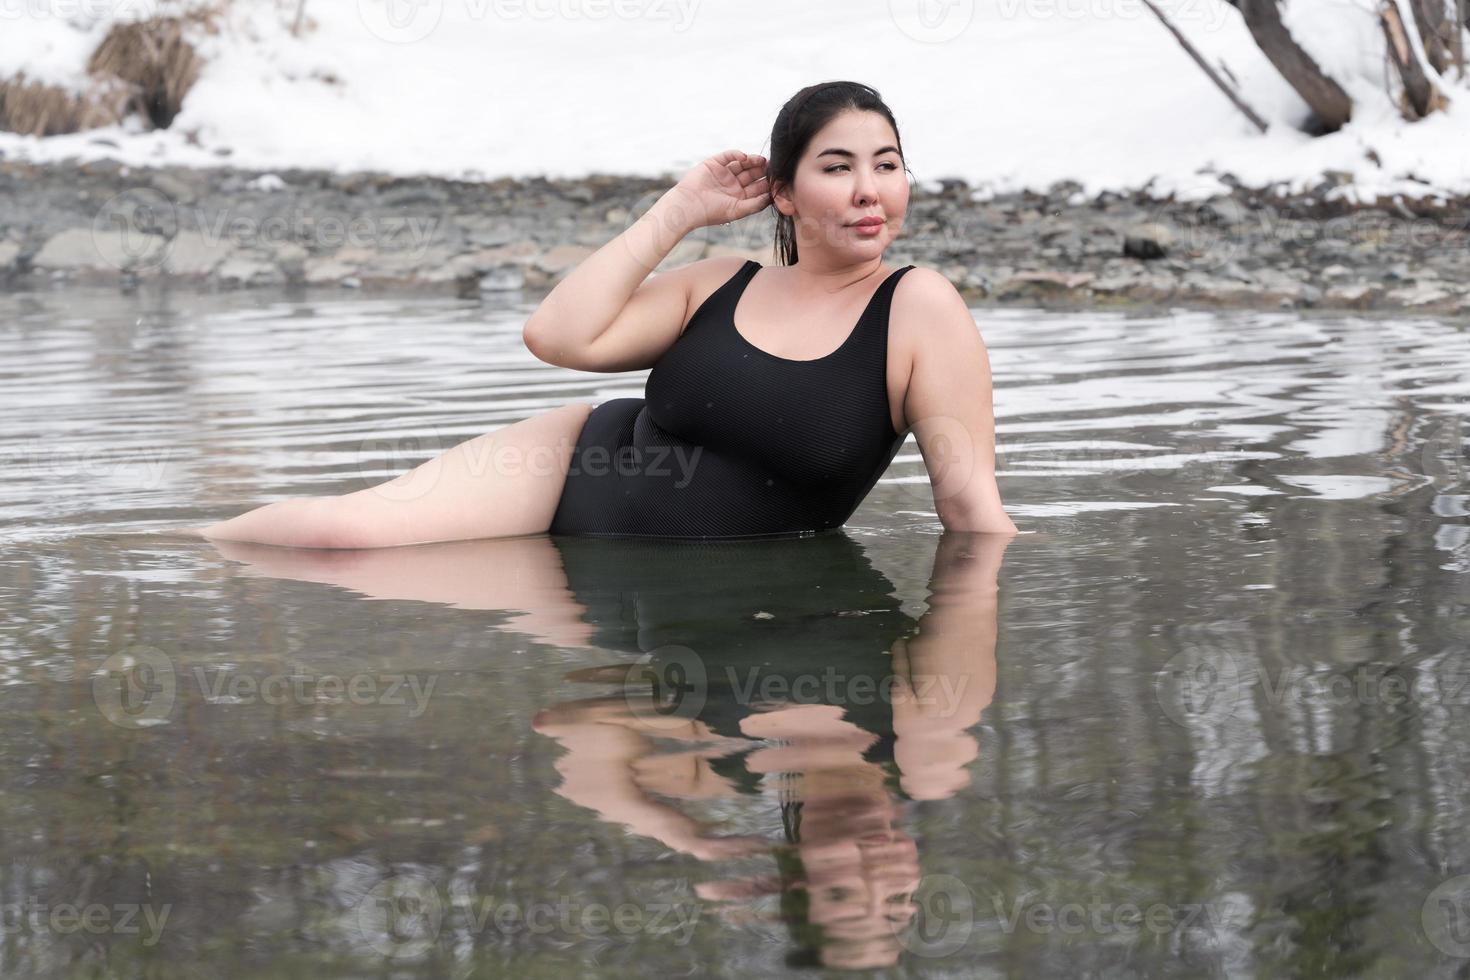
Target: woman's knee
336,522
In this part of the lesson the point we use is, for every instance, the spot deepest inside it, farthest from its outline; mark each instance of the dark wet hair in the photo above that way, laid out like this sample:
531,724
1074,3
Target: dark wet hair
800,119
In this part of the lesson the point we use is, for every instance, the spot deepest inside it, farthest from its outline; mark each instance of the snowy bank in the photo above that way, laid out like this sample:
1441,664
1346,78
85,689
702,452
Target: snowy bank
1006,95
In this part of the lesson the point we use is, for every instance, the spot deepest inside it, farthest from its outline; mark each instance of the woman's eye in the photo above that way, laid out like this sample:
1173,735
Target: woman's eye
833,169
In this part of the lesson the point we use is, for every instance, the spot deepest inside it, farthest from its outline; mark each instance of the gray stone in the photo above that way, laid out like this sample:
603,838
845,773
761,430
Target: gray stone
84,248
503,278
1358,295
1152,288
1042,281
390,265
172,187
1115,285
291,260
1235,271
192,254
1201,286
1331,249
520,251
247,270
463,266
562,258
491,235
1150,241
1419,294
1278,285
326,270
1222,210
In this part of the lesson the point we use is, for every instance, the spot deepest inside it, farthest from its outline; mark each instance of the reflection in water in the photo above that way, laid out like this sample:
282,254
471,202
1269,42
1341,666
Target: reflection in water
784,669
809,687
1231,685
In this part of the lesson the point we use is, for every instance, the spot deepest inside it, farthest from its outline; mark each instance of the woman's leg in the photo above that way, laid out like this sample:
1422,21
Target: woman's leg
503,483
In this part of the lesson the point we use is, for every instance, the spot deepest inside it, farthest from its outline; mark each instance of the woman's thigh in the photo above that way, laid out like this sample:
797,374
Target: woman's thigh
505,482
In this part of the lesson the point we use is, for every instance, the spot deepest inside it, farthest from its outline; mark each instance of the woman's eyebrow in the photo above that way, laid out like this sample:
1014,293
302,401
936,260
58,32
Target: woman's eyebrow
834,151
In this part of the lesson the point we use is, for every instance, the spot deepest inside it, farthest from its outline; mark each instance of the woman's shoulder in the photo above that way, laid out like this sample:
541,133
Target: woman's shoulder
924,295
708,274
922,280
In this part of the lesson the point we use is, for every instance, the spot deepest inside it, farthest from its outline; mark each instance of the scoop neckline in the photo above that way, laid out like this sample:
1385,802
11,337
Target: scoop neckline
810,360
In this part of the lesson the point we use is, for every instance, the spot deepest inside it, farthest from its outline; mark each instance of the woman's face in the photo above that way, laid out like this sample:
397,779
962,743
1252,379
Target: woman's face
851,170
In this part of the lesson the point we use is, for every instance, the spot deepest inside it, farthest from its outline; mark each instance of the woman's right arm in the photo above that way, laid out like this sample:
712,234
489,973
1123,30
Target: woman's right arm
603,316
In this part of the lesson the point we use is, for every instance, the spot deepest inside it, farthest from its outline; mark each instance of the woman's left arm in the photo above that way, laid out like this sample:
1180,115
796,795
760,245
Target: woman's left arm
949,406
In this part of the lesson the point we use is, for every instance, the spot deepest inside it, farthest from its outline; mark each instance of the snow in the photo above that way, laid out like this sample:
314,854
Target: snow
1005,94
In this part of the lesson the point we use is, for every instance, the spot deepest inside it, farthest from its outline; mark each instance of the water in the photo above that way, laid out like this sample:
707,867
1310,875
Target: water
1205,720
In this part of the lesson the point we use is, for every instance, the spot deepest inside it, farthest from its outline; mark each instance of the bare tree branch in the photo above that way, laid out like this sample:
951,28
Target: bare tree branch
1434,31
1332,106
1421,95
1220,83
1457,36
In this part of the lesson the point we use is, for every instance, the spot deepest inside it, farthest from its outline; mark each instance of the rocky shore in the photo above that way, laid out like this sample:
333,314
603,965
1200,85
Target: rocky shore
104,222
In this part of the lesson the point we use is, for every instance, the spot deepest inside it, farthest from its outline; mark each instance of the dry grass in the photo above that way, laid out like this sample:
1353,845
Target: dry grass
145,67
153,56
46,110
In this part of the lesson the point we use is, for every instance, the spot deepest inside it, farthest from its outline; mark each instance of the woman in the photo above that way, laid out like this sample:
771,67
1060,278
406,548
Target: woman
781,425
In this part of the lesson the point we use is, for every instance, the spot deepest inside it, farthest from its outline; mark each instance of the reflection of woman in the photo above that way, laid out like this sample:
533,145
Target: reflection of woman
775,611
837,763
782,425
787,619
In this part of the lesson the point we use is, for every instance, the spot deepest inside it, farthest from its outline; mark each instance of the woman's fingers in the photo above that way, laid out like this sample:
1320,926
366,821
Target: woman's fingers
750,205
751,176
739,162
748,171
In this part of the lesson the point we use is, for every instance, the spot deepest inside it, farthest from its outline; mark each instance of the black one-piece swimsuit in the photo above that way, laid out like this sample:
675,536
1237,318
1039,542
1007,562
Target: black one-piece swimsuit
730,441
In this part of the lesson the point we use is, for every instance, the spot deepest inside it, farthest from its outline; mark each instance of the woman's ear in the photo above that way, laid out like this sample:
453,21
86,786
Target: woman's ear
780,198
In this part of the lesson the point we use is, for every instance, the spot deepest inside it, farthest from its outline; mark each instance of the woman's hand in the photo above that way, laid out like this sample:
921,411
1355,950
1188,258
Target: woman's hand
725,188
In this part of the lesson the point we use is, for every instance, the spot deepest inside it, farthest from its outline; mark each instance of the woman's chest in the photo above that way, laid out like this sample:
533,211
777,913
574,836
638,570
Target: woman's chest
811,420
